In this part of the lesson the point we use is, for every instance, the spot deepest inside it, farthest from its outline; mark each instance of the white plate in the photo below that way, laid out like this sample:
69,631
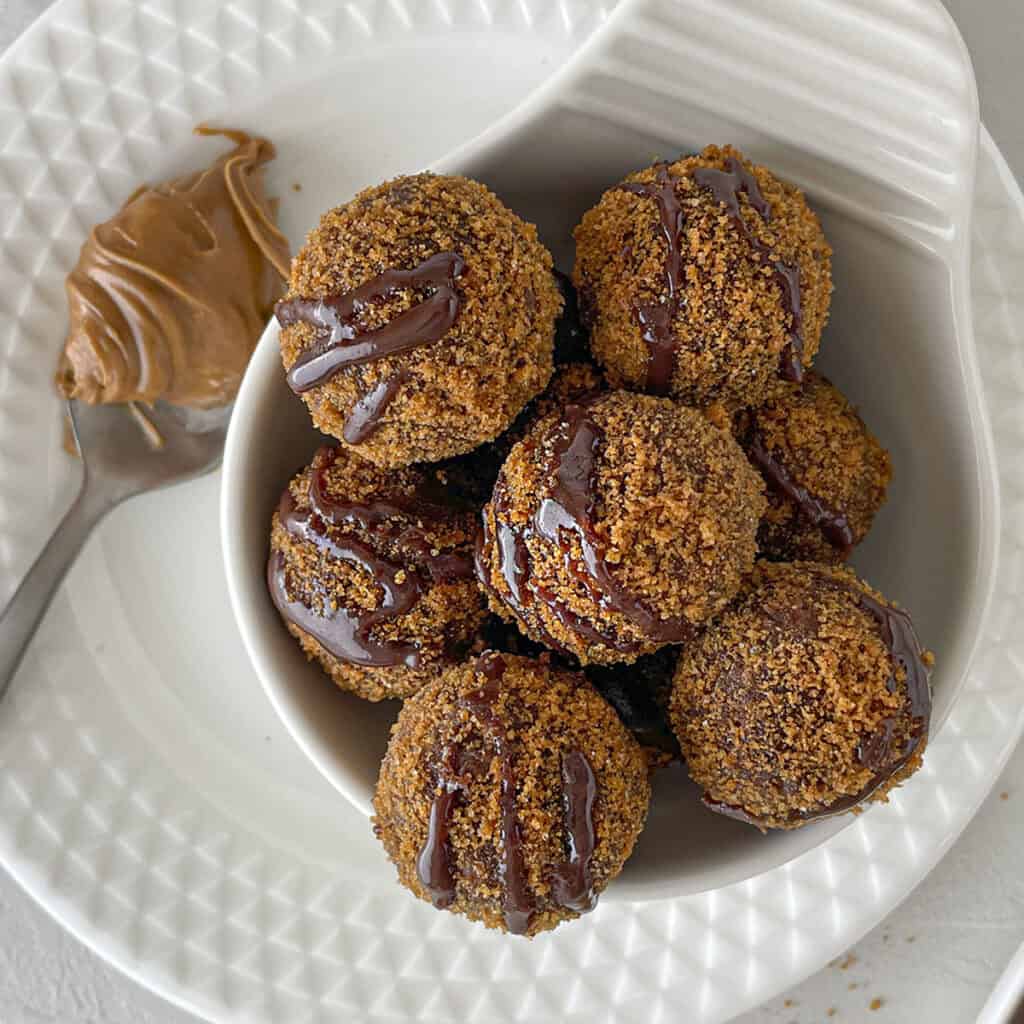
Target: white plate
148,796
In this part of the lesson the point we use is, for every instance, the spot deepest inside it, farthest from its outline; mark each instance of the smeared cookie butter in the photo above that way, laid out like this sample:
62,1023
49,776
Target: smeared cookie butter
171,294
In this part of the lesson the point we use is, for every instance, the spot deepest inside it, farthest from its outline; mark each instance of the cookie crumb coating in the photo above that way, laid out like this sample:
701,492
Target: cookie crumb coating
473,805
452,394
662,527
728,319
404,540
807,698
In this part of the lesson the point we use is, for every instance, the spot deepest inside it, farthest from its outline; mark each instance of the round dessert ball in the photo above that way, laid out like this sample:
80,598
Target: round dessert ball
472,476
373,574
826,474
419,319
510,793
807,698
704,279
619,525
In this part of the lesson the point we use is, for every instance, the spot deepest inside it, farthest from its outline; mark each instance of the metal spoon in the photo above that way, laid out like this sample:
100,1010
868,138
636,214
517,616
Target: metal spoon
119,461
1005,1004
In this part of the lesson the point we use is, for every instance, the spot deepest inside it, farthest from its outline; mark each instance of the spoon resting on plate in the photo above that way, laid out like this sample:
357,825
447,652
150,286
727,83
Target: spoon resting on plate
118,461
166,303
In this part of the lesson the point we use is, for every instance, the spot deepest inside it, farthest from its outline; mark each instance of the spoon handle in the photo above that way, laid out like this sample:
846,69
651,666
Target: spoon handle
20,619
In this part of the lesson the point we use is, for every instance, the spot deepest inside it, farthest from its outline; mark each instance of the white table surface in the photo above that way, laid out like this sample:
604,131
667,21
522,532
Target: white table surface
934,960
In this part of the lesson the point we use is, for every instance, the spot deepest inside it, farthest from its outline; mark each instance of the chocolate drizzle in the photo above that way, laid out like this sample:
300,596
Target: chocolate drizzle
491,665
733,811
835,527
726,187
514,565
875,751
569,510
572,885
342,342
656,319
434,864
380,517
345,633
518,902
365,418
566,512
342,632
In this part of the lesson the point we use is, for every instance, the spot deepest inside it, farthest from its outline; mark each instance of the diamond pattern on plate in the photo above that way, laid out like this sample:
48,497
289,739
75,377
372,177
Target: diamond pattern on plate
168,885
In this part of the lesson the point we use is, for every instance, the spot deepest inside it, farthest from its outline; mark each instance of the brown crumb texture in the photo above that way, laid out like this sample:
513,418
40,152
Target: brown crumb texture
876,1004
732,325
443,622
673,505
467,387
776,704
471,477
820,442
544,713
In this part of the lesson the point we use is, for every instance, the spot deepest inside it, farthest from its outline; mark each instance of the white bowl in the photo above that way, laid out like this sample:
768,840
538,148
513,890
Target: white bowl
880,130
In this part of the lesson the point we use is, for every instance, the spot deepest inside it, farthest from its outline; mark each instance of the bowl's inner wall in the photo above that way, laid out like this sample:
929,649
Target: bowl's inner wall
890,346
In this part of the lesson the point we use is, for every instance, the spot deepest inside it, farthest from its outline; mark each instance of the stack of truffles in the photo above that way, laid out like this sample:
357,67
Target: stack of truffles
583,538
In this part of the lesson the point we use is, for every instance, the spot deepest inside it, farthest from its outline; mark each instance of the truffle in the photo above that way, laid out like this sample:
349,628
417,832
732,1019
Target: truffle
808,698
419,320
704,279
619,525
826,474
510,793
372,574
